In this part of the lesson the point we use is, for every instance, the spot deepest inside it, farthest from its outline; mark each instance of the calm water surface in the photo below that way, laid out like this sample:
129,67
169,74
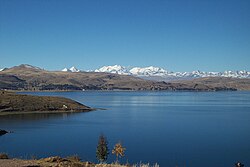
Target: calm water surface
170,128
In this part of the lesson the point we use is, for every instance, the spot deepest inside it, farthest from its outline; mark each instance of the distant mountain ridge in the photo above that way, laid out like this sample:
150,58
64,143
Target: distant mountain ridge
153,73
160,74
27,77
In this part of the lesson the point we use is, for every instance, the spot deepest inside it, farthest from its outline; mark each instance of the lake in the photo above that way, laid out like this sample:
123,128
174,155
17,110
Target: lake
169,128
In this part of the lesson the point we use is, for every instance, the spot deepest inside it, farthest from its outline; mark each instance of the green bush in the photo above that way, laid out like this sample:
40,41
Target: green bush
102,150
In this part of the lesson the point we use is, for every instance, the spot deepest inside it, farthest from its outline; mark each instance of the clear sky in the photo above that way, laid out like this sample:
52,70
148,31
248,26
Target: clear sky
178,35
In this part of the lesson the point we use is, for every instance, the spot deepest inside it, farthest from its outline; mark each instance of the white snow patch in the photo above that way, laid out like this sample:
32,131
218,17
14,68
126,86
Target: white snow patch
73,69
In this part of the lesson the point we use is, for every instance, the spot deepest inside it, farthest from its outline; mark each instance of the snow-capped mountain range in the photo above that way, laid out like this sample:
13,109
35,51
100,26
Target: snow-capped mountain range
157,73
153,73
116,69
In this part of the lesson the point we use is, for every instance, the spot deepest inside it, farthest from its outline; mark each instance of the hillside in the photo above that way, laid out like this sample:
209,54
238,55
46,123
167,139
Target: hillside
27,77
12,102
219,82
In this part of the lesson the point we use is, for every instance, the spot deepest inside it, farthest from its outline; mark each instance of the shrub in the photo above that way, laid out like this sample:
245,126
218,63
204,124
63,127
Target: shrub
102,150
118,151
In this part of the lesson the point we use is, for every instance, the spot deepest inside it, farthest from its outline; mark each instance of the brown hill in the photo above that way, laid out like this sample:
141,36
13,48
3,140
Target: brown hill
11,82
218,83
12,102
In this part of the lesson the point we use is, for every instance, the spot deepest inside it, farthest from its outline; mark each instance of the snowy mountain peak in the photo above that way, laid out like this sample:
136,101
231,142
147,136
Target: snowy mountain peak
116,69
137,71
148,71
65,70
72,69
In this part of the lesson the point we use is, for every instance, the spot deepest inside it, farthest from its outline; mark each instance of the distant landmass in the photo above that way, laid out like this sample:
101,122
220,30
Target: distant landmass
27,77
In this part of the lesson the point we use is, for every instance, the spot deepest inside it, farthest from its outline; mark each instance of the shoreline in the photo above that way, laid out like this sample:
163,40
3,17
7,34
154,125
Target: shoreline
59,91
46,112
55,161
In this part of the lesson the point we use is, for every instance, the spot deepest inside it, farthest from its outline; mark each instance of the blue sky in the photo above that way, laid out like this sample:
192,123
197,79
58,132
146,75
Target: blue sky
178,35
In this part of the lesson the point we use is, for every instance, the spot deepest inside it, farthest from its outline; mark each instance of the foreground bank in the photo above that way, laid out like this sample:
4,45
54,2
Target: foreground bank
72,161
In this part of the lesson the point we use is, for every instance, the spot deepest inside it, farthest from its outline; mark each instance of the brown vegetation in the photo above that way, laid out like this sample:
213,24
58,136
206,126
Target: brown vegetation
118,150
60,162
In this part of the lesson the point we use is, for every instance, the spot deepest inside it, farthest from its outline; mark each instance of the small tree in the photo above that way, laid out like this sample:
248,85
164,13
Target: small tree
102,150
118,151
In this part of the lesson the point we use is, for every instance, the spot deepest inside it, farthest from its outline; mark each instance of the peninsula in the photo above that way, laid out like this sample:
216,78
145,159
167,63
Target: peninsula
12,103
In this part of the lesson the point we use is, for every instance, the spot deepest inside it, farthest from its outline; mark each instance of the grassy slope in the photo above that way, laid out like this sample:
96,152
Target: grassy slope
219,82
11,102
72,161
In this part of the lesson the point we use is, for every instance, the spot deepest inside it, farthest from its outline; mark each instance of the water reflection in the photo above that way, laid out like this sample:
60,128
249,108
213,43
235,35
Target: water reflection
14,122
34,116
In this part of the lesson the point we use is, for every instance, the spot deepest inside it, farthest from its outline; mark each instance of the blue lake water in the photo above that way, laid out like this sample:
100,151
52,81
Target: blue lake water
171,128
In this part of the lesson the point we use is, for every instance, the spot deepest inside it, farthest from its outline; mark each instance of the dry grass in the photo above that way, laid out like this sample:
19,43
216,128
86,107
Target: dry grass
71,161
145,165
